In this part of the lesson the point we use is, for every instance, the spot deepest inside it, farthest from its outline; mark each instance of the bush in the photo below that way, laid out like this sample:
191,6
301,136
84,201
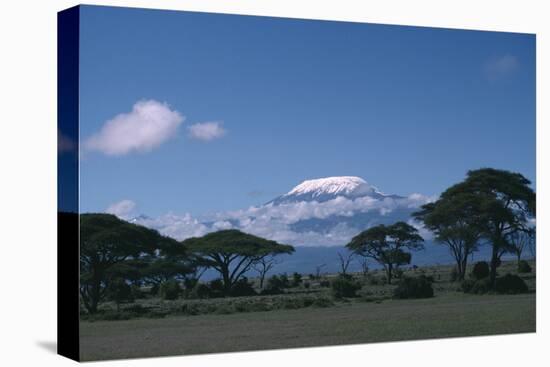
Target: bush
170,290
481,270
467,285
216,289
344,287
119,291
481,286
242,288
324,283
510,284
418,287
275,284
296,279
322,302
524,267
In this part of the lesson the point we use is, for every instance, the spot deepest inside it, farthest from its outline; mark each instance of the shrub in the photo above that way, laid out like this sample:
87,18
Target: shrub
481,286
524,267
344,287
275,284
296,279
467,285
398,274
242,288
324,283
373,280
417,287
322,302
170,290
119,291
307,285
216,288
510,284
480,270
137,292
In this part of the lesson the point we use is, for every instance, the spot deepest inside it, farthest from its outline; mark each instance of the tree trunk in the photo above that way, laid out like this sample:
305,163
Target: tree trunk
494,264
389,273
226,280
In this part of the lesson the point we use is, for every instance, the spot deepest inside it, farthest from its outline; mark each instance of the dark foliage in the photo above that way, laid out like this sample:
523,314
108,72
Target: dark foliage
344,287
243,288
510,284
481,270
417,287
170,290
524,267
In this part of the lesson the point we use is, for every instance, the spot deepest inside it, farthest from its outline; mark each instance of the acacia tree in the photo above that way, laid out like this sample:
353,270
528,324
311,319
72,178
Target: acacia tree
506,203
105,242
264,265
232,253
455,222
345,261
387,244
518,241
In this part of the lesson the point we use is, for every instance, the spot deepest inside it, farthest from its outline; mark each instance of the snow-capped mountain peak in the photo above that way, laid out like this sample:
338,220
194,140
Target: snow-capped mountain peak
328,188
340,185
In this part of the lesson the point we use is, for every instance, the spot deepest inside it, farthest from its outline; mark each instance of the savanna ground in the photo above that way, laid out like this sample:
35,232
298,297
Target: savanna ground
308,316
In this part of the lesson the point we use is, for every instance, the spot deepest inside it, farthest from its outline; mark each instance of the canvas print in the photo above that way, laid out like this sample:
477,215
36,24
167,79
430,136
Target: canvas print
235,183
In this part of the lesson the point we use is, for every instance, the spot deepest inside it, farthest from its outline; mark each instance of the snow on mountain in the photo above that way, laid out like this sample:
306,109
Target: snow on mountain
328,188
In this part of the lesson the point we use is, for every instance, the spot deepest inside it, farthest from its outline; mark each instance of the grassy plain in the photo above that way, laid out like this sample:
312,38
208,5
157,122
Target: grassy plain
373,317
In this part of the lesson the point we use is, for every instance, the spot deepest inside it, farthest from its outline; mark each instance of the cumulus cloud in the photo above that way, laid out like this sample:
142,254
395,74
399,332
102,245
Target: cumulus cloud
122,209
277,222
64,143
147,126
206,131
499,67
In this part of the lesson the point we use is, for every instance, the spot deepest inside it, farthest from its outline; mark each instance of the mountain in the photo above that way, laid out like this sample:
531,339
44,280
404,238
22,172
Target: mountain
329,188
319,212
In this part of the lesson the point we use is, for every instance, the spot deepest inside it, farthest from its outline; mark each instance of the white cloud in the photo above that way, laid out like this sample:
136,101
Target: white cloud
207,131
276,221
148,125
64,143
501,66
121,209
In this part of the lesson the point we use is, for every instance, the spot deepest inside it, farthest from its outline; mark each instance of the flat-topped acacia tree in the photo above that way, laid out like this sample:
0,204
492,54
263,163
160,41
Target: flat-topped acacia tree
232,253
506,204
455,221
107,241
387,245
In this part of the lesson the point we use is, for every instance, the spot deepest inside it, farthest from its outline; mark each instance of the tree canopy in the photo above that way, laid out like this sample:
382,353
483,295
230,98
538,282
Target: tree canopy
106,241
232,252
387,245
505,203
455,221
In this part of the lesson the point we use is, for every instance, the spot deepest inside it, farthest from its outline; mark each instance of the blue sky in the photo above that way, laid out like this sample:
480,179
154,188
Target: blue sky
408,109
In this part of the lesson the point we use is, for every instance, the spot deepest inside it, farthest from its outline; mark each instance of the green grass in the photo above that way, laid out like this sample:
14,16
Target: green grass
449,314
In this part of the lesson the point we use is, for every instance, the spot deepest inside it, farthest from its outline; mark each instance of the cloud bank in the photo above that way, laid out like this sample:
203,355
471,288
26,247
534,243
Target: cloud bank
277,222
147,126
206,131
